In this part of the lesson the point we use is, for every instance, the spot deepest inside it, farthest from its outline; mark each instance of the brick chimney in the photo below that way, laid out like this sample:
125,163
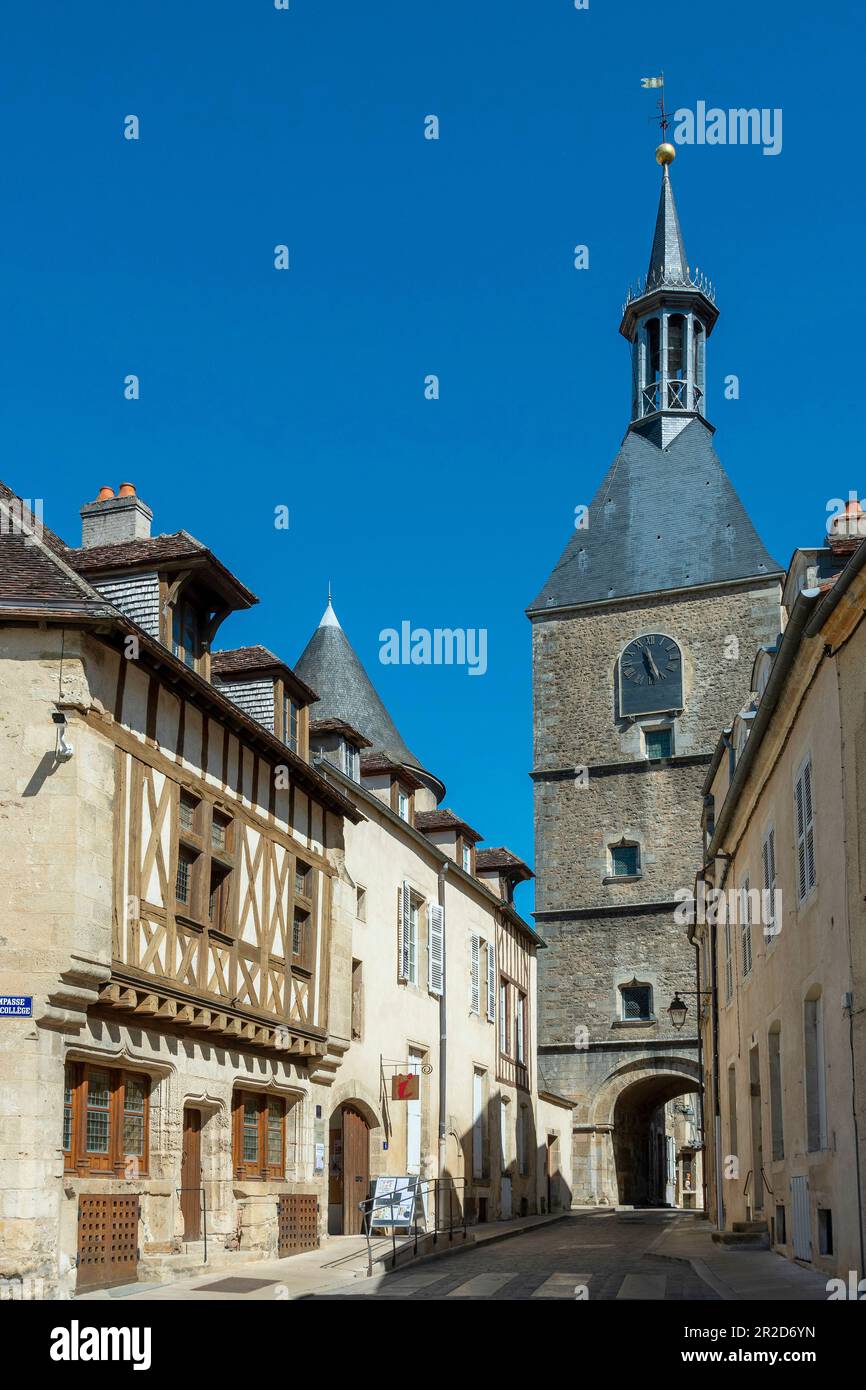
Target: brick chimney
110,520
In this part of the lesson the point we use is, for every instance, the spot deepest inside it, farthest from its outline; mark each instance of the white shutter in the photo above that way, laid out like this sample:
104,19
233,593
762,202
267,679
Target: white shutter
746,929
771,926
475,974
804,815
404,927
521,1011
435,948
491,981
810,823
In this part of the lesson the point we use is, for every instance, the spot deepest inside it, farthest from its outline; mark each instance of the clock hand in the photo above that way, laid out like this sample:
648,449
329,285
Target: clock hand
651,666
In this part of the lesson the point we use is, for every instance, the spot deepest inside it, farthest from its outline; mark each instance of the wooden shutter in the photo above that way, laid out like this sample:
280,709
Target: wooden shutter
491,981
435,948
810,823
475,974
404,926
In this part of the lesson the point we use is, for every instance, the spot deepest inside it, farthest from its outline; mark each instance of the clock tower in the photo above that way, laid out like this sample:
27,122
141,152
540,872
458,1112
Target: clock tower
643,640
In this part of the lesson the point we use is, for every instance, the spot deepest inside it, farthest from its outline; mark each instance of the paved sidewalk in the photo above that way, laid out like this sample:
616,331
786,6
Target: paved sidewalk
339,1265
738,1274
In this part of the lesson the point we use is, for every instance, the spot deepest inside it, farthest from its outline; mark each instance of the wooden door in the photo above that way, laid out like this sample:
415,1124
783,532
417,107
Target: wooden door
107,1241
356,1168
297,1223
190,1174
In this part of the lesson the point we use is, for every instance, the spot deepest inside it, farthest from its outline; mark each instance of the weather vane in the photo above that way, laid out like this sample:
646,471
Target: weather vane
665,154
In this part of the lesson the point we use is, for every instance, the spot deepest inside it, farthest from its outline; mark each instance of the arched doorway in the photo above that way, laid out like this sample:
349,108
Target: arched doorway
629,1145
349,1172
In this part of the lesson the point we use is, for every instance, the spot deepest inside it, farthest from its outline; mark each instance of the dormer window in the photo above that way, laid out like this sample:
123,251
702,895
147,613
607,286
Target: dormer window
291,714
185,639
351,761
403,804
467,859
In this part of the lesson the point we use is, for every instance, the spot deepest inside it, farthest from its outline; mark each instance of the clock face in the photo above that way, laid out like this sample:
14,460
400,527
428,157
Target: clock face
651,675
650,660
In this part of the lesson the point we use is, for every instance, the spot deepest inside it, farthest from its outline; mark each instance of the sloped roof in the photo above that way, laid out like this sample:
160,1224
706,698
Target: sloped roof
256,660
445,819
501,859
34,572
174,548
331,666
662,519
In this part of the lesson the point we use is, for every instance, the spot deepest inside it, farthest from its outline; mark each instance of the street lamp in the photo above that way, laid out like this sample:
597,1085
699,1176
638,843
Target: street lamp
677,1011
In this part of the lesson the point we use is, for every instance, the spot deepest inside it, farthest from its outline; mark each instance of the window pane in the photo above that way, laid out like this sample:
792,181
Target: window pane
275,1133
624,860
135,1091
298,932
67,1111
186,811
636,1002
219,831
98,1097
183,884
250,1136
133,1135
658,743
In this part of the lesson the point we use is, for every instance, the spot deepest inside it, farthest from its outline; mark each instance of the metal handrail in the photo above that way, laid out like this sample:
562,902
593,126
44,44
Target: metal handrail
766,1184
202,1208
367,1205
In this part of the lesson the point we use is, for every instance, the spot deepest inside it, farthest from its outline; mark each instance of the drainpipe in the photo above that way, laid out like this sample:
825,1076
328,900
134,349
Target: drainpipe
701,1129
717,1104
443,1033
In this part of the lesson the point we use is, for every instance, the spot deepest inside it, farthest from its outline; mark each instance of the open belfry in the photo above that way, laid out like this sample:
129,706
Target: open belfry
643,640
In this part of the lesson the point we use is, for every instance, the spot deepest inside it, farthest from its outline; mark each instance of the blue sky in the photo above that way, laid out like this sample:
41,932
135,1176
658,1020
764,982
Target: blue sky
409,257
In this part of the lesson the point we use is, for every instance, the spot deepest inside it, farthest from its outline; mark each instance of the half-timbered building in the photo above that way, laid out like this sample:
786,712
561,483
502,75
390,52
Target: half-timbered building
235,910
168,855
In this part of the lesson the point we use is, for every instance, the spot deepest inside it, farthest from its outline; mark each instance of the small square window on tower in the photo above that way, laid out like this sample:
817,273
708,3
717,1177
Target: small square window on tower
636,1002
625,860
658,743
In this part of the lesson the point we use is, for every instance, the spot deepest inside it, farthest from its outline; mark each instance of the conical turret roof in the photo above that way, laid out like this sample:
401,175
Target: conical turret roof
330,664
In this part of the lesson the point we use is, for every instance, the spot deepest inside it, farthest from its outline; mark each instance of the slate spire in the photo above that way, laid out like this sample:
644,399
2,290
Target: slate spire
668,263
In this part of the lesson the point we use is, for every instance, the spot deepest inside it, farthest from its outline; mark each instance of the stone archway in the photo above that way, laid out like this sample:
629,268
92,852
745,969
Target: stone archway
626,1163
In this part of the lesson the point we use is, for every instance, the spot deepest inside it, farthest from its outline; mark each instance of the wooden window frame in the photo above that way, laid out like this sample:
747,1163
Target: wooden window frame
259,1169
503,1021
199,841
302,902
520,1023
182,610
115,1163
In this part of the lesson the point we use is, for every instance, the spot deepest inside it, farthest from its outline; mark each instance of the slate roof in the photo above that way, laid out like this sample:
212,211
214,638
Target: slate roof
330,665
662,519
668,262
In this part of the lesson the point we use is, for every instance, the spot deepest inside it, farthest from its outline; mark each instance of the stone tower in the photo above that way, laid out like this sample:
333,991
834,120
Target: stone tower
643,641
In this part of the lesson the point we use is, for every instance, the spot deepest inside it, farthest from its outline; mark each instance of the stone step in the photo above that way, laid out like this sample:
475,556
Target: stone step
749,1227
743,1240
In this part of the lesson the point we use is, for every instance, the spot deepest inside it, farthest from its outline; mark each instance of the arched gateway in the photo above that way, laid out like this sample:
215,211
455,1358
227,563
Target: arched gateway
624,1136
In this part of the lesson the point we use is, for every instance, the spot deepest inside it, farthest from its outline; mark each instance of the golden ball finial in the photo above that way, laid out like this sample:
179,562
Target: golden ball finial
665,154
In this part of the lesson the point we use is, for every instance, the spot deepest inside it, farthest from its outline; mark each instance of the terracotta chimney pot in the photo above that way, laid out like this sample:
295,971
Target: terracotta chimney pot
126,490
104,494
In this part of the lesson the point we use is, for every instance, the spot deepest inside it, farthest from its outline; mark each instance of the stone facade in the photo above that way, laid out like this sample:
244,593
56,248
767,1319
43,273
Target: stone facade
601,933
